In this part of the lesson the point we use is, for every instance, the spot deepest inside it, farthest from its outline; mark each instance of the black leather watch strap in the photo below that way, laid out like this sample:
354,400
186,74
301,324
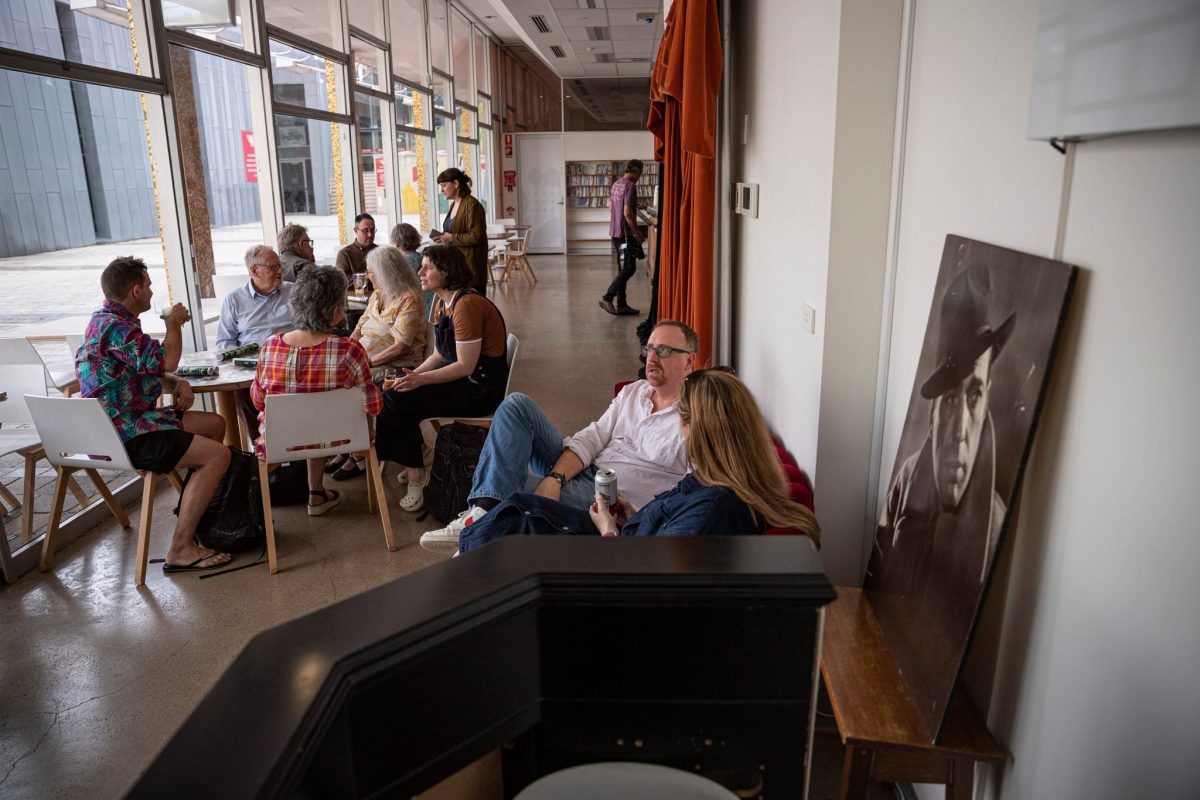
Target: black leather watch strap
558,476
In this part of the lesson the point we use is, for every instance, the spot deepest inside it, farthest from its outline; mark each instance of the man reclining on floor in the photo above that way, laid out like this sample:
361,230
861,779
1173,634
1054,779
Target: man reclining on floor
127,371
638,436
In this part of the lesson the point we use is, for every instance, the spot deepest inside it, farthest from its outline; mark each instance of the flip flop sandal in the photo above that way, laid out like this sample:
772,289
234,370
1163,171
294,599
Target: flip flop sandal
335,463
330,501
195,565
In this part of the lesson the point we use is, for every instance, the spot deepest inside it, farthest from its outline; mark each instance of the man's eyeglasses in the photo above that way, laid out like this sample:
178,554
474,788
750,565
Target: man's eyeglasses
309,242
276,267
662,350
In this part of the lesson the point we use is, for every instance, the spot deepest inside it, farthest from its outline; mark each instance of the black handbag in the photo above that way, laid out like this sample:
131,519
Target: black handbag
233,521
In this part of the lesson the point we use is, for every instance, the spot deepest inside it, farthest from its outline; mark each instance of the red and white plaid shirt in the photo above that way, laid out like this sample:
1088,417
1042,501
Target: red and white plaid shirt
336,363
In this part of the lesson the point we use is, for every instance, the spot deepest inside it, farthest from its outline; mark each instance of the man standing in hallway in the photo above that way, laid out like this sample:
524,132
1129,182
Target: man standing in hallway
353,257
638,436
626,236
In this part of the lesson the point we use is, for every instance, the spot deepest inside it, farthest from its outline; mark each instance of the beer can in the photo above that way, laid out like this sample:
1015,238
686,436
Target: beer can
198,372
606,485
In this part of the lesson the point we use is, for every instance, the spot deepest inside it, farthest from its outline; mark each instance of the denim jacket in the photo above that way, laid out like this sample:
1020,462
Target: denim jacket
688,509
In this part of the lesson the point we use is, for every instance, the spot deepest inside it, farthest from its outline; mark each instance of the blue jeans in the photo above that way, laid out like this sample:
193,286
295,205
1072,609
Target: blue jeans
523,439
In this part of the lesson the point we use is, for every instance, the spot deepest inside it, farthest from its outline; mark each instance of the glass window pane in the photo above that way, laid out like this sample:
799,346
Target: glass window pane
315,168
302,78
227,139
441,92
460,40
408,40
414,178
466,123
367,16
368,110
439,56
370,66
482,74
467,155
485,110
206,19
485,180
314,20
446,155
412,107
98,36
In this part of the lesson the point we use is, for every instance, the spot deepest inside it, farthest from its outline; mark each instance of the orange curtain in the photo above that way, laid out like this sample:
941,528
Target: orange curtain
683,119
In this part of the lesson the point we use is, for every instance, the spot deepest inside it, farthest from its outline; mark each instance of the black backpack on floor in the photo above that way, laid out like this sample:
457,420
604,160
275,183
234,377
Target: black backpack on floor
455,456
233,521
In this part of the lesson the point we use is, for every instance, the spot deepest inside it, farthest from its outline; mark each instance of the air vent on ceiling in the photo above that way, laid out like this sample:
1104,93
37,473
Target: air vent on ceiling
539,22
597,34
558,51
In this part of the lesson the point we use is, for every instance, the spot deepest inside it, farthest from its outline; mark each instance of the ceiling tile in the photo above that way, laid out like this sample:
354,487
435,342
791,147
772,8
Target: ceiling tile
638,47
600,70
582,17
634,32
640,4
576,34
628,16
593,47
634,70
564,3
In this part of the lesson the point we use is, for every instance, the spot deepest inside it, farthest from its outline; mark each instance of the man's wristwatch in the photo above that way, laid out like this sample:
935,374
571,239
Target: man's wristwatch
558,476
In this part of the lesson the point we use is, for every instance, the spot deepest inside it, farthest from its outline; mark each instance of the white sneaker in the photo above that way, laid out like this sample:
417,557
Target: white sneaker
445,540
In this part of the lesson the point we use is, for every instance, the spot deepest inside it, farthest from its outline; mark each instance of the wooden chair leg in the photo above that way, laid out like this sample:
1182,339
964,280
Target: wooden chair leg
109,500
176,481
371,494
27,496
529,273
9,498
149,479
961,785
374,476
856,773
56,509
268,520
79,494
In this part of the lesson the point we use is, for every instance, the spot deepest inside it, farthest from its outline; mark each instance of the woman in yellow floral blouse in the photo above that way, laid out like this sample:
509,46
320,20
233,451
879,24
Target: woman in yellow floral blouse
393,328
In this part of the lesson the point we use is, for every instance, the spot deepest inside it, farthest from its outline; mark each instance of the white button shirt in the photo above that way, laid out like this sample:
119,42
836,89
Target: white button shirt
644,446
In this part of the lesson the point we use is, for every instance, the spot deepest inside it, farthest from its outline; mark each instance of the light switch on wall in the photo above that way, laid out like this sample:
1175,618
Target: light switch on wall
808,318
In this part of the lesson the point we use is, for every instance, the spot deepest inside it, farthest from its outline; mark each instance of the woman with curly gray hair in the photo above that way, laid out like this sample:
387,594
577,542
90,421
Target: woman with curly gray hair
313,358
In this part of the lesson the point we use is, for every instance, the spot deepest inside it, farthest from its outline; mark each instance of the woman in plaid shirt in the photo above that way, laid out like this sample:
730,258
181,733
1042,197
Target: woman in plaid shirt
313,358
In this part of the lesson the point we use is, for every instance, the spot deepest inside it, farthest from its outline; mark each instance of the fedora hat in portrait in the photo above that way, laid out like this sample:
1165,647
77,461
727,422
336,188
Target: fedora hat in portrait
967,327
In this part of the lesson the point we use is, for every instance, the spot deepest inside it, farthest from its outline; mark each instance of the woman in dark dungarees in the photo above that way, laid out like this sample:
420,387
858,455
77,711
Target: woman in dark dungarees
464,377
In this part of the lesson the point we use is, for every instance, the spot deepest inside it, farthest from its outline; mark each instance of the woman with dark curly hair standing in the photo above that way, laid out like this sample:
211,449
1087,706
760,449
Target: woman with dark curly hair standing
465,225
464,377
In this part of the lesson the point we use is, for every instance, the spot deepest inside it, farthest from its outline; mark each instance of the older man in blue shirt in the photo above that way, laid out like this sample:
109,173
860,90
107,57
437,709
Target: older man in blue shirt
254,312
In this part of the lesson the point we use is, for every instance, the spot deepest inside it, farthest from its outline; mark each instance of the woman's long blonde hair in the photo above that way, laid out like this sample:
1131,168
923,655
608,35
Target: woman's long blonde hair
393,274
728,445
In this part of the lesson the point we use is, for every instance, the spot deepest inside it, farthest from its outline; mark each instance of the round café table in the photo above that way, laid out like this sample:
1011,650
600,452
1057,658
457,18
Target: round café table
224,386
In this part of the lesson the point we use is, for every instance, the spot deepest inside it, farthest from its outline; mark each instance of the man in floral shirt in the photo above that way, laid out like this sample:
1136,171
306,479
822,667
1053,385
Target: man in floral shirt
127,370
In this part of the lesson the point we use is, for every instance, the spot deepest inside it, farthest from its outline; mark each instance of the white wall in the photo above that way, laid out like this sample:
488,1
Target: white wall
1090,681
608,145
786,78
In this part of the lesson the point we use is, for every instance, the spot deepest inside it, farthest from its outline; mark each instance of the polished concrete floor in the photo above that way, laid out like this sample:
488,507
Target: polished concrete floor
96,675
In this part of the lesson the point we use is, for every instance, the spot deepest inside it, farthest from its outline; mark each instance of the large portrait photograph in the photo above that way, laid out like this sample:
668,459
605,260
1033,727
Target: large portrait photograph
989,348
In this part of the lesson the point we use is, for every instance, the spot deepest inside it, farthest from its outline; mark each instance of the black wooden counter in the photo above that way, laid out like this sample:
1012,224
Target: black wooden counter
696,653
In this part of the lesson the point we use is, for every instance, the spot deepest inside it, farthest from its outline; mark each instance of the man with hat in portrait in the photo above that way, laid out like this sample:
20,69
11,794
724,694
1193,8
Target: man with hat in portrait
943,516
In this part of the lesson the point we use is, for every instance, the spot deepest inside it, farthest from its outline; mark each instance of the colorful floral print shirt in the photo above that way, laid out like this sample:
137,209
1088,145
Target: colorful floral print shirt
121,366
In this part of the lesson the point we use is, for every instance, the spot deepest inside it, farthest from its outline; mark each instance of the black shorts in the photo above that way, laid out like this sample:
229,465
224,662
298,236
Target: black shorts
158,451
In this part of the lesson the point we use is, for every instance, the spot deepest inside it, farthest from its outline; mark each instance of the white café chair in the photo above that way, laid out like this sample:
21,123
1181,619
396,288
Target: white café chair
506,223
20,381
21,351
516,258
78,435
431,425
343,428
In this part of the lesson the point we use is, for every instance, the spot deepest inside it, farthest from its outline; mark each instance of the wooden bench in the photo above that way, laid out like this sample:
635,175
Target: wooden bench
877,720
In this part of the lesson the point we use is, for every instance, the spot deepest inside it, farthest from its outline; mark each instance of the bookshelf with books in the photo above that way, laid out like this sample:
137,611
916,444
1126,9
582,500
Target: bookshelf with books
589,184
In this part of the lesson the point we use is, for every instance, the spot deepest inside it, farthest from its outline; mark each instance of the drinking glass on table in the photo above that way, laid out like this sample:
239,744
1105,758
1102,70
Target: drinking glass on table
389,376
